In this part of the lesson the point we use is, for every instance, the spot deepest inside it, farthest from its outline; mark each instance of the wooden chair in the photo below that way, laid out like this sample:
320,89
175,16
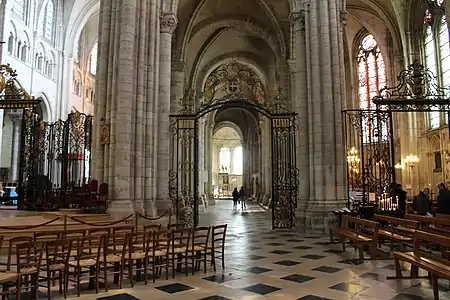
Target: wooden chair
123,229
179,249
28,265
152,227
217,245
11,284
199,247
57,254
160,252
13,246
174,226
89,249
139,255
47,236
99,231
113,257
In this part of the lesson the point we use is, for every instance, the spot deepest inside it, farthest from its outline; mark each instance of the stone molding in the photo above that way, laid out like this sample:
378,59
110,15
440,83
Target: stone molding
168,23
298,19
343,16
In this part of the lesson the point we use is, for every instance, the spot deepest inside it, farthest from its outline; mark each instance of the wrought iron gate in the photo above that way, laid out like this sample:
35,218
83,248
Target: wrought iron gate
284,171
183,176
184,172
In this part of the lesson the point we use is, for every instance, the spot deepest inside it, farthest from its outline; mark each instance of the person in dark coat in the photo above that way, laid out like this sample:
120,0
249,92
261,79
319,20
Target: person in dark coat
243,195
423,204
401,197
235,198
443,200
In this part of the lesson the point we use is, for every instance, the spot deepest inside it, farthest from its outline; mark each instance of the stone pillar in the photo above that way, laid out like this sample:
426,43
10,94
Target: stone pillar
325,83
2,29
15,149
209,159
299,97
168,23
124,110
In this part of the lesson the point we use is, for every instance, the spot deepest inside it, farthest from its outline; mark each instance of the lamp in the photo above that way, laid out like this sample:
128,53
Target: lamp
411,159
399,165
352,156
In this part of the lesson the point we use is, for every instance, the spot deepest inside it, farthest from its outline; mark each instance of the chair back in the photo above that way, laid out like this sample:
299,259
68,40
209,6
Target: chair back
29,257
218,235
13,246
88,247
57,252
152,227
200,237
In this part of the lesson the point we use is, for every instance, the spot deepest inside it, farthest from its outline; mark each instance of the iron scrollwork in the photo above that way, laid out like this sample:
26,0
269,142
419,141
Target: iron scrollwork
417,90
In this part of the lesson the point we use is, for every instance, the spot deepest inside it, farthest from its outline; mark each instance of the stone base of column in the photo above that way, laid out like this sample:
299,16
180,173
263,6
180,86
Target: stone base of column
318,218
150,208
120,208
162,205
266,200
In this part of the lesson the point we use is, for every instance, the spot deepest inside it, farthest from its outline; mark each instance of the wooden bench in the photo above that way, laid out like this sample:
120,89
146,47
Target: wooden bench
424,221
443,216
396,230
356,234
420,258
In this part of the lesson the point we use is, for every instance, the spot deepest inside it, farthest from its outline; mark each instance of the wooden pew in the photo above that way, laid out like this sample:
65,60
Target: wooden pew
420,258
396,230
443,216
424,221
356,234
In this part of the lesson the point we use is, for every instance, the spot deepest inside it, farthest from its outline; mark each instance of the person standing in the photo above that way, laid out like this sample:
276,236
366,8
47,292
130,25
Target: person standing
443,200
243,195
423,204
235,198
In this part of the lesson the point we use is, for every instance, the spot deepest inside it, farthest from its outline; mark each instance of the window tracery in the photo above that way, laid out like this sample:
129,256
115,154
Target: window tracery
372,78
437,51
46,22
19,8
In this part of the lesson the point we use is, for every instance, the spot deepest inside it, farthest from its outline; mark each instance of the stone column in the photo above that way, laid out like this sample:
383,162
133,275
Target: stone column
168,23
15,149
299,96
2,28
325,104
122,155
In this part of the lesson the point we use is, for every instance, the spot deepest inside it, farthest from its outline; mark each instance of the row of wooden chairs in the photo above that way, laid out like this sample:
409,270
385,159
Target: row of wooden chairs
97,253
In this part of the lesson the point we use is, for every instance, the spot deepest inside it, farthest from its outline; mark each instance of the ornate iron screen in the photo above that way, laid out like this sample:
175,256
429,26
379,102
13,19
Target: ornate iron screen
232,85
370,134
284,171
62,159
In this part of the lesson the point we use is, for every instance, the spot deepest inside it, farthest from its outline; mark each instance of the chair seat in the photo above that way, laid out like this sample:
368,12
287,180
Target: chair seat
198,247
8,276
28,271
110,258
160,253
84,263
135,255
56,267
179,250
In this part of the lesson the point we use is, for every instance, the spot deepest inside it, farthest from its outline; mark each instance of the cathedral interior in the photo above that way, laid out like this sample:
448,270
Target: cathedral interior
310,115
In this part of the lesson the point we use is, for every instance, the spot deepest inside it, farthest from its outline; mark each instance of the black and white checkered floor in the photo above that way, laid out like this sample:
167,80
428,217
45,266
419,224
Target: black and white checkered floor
263,264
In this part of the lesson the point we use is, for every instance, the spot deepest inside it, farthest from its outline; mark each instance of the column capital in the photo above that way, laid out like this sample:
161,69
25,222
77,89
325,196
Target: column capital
343,16
297,18
168,23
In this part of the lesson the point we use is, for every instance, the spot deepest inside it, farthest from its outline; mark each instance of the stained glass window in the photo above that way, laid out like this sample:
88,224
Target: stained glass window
437,52
372,78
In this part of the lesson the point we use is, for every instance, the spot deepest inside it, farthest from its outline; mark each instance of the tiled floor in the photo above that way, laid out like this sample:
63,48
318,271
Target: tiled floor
263,264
